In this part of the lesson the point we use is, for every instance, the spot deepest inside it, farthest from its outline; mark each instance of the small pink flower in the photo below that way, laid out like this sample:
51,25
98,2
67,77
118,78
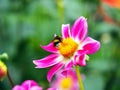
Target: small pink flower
69,81
70,49
27,85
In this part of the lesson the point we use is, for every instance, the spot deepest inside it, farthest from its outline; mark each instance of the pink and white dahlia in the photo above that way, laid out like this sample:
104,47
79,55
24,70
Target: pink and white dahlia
70,49
27,85
69,81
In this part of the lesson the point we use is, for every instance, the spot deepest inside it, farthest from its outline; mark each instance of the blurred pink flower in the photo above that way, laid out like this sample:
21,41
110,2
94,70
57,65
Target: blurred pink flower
27,85
70,49
68,81
52,89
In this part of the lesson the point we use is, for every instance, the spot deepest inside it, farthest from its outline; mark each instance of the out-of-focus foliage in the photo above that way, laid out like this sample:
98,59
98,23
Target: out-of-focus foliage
25,24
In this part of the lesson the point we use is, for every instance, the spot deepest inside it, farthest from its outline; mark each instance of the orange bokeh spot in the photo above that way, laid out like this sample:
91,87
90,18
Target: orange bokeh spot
112,3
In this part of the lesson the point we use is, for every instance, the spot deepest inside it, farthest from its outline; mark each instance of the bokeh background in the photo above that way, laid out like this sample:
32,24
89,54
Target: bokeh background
25,24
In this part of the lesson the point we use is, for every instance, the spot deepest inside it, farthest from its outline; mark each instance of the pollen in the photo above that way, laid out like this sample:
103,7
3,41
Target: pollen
66,83
67,47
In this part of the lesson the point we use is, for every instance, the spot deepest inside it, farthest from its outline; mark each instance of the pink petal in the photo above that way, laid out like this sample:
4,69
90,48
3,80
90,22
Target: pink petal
53,70
36,88
47,61
73,74
69,65
18,87
79,29
52,89
90,45
70,72
28,84
81,52
65,31
50,48
74,60
80,60
64,72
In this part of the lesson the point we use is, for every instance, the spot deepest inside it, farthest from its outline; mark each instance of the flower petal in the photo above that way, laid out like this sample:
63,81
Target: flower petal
18,87
50,48
79,29
80,52
28,84
65,30
80,60
53,70
74,60
35,88
71,72
47,61
52,89
69,65
90,45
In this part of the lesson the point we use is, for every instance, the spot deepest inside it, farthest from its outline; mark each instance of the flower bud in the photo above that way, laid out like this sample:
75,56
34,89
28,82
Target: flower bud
4,56
3,70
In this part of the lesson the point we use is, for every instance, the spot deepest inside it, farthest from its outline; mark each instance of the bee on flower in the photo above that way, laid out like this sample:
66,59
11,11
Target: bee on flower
70,49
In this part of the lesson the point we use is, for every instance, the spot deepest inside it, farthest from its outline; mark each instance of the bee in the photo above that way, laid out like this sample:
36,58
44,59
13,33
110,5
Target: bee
57,40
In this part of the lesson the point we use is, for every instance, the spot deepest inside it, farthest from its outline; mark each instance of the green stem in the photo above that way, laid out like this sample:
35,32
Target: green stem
79,78
10,79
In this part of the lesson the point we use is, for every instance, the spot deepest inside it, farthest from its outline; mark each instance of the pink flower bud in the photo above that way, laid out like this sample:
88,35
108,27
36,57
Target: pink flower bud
3,70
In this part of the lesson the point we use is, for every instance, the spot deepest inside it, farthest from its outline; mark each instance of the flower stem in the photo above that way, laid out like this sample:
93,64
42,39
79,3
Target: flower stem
79,78
10,79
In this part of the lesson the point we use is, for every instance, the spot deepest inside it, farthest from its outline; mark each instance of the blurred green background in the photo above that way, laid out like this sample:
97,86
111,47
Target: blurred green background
25,24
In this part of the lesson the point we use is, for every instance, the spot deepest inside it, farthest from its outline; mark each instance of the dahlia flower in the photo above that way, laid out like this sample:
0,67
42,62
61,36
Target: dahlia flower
65,82
27,85
70,49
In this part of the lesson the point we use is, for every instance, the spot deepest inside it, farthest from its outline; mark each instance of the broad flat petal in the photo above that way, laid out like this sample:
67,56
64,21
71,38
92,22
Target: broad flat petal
18,87
28,84
47,61
90,45
35,88
65,30
53,70
50,48
79,28
80,60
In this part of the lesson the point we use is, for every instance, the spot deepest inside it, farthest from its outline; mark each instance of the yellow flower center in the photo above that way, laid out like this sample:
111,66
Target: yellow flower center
66,83
67,47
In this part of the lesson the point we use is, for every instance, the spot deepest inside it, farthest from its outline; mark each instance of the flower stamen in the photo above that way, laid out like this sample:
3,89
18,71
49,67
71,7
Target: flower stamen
66,83
67,47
